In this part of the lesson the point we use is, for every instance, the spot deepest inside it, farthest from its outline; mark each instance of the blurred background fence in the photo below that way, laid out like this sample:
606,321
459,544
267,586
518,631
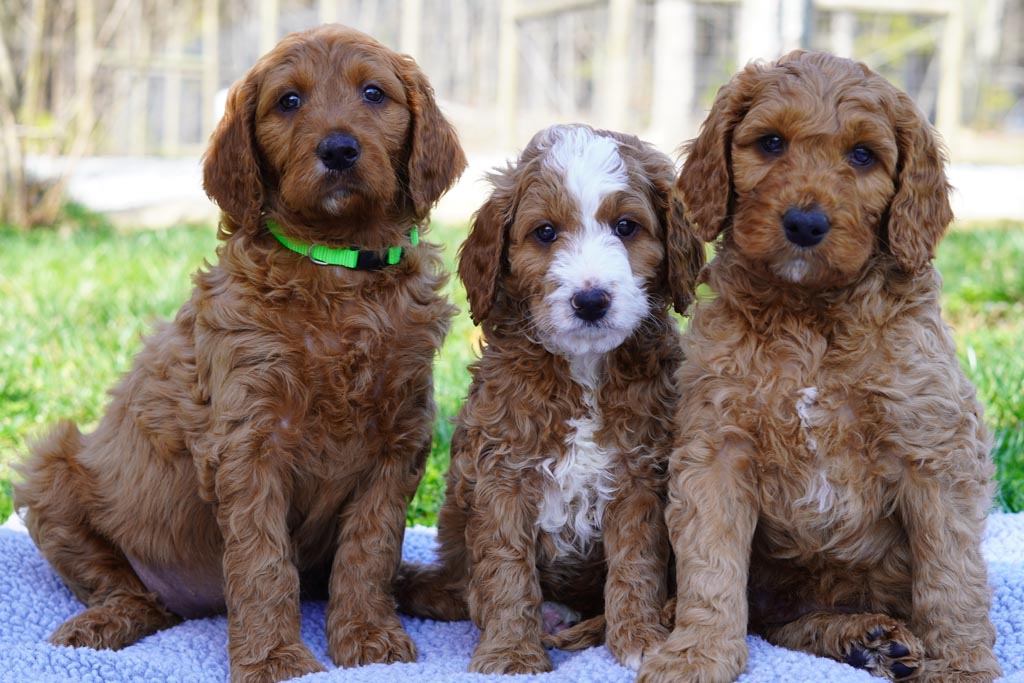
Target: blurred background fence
145,77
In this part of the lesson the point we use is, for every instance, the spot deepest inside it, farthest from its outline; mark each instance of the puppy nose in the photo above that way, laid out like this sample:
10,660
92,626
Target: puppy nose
338,151
591,304
805,228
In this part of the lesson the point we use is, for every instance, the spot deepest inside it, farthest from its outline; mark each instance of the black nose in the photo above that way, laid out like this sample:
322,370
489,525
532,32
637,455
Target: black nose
805,228
591,304
338,151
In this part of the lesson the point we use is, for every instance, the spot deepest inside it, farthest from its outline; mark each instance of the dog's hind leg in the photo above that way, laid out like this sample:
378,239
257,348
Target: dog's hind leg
880,644
119,608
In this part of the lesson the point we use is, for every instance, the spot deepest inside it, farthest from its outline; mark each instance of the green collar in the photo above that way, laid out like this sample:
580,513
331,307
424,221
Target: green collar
355,259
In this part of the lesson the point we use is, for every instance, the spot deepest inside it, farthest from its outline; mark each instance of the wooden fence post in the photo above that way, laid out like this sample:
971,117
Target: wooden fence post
674,73
508,72
614,86
412,17
210,27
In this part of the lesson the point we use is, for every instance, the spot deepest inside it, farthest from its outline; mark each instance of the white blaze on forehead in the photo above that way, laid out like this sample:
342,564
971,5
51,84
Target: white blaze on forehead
589,255
590,165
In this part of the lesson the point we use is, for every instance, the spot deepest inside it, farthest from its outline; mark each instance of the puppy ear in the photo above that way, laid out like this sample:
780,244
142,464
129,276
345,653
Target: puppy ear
231,170
684,252
706,179
436,160
919,212
480,256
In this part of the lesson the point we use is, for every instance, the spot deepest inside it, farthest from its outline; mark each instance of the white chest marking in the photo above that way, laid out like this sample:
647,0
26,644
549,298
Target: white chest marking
578,485
820,493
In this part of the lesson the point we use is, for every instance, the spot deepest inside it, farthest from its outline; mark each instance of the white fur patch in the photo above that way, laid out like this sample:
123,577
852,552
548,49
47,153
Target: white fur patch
820,493
578,485
591,256
804,404
591,166
793,270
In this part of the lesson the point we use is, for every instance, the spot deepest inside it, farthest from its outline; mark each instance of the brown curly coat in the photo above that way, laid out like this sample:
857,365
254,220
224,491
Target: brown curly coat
500,556
276,428
832,463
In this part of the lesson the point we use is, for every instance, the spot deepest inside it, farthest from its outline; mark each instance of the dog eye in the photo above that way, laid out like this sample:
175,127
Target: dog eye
772,144
626,227
372,93
546,234
289,102
861,156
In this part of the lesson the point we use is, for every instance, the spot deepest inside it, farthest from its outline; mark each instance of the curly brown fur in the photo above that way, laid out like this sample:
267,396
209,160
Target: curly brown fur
276,428
831,458
510,532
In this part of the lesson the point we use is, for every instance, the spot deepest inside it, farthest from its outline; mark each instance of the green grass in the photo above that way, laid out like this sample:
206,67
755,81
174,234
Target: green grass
983,299
74,305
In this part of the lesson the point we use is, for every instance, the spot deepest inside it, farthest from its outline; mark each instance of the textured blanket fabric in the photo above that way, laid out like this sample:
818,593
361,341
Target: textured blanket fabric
33,602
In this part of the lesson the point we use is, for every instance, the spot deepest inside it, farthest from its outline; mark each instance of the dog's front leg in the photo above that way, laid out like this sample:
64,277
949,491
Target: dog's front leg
504,592
711,515
261,581
362,625
951,596
636,543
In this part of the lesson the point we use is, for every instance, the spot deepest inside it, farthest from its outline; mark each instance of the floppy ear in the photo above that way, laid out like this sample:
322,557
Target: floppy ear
684,253
480,256
919,212
706,179
436,160
231,171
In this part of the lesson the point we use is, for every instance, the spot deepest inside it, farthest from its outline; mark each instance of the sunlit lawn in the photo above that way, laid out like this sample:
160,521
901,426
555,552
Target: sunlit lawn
74,304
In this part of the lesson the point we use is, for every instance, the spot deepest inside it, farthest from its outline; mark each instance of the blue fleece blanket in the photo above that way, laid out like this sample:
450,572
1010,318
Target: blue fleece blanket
33,602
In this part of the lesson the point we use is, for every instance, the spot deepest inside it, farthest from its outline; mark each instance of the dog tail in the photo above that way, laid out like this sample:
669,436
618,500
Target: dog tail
53,455
591,632
587,633
431,591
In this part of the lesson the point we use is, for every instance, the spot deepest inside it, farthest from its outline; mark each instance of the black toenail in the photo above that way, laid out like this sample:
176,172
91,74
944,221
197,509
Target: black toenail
857,657
898,650
902,670
876,634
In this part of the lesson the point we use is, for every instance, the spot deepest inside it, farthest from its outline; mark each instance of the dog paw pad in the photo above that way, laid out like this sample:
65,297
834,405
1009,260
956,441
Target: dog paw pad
893,653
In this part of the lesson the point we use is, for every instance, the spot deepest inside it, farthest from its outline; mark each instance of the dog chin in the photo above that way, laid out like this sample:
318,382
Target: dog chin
793,270
586,340
337,201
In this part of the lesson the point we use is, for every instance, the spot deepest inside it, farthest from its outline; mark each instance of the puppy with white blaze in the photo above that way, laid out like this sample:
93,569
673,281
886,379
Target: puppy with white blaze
557,481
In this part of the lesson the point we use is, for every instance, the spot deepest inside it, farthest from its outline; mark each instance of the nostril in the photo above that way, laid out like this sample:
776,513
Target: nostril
338,151
805,228
591,304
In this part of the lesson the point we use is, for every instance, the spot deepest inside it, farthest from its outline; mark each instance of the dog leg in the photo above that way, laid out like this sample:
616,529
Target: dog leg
363,627
261,581
120,610
951,596
504,588
880,644
636,544
711,515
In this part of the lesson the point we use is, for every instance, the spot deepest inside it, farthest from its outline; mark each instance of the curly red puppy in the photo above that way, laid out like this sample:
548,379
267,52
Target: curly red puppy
275,430
556,486
832,462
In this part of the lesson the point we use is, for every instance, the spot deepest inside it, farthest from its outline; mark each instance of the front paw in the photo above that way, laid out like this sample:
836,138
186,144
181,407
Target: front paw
524,657
716,663
357,643
282,664
888,650
631,641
